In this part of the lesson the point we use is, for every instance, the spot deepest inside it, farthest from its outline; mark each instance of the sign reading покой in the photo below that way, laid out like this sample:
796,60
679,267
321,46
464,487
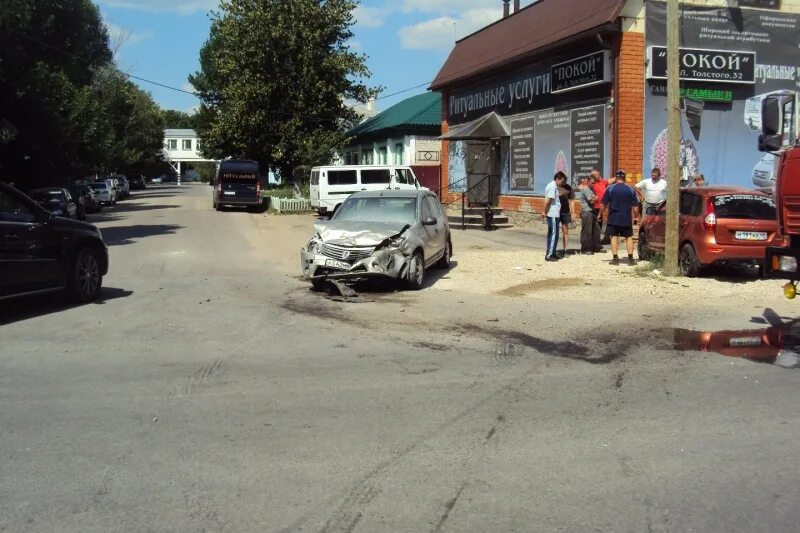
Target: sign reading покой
584,71
715,66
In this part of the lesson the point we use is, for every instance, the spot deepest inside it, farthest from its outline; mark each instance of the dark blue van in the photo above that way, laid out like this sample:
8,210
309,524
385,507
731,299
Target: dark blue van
236,184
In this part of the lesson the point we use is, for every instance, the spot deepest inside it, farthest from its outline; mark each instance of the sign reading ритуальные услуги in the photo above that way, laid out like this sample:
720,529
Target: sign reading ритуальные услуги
533,87
581,72
719,66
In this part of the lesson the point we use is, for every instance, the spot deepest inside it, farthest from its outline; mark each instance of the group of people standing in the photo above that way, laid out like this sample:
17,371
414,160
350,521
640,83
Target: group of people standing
610,202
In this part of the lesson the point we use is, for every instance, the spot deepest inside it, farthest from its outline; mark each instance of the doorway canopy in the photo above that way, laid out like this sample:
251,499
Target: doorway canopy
489,126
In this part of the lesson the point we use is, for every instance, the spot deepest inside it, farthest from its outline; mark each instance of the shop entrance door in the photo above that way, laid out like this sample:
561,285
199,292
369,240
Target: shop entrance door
483,172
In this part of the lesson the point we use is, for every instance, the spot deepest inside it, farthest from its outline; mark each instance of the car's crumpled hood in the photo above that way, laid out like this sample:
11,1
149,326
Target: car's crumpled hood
355,233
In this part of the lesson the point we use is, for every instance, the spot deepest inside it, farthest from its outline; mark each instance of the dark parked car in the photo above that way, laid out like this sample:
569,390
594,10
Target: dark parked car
57,200
87,201
137,183
41,252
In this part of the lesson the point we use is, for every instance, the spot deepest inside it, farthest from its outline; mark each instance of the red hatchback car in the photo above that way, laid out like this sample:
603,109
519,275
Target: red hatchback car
718,225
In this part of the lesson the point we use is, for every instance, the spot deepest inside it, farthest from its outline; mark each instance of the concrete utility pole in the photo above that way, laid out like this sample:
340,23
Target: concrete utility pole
674,139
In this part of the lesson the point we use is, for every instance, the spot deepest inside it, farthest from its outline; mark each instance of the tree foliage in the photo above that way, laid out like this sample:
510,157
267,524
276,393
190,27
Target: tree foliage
178,119
65,110
273,80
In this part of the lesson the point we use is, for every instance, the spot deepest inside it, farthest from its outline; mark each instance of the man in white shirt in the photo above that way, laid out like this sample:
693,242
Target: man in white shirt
552,212
652,192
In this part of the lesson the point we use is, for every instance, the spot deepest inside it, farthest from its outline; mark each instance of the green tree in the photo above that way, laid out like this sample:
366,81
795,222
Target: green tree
178,119
273,79
49,50
71,111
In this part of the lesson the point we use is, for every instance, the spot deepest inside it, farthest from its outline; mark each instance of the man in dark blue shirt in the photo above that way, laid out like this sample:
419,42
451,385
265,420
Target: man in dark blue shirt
623,213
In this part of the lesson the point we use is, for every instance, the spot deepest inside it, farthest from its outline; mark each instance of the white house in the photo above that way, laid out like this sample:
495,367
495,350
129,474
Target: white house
182,146
405,134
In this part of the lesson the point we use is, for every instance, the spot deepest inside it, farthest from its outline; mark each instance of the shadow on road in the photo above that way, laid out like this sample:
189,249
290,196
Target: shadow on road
121,235
26,308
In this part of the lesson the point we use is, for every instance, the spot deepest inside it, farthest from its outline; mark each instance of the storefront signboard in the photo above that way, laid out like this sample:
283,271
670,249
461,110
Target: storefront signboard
581,72
588,141
530,88
713,66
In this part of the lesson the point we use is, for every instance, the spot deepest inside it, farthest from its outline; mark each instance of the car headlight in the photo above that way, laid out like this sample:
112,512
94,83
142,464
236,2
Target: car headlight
314,245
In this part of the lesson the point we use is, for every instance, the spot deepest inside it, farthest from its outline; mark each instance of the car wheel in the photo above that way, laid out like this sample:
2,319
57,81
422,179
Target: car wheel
85,280
415,273
644,252
218,207
444,262
318,284
687,261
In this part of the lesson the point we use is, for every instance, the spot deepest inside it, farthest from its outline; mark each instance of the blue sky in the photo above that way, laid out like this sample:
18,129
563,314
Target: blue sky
406,41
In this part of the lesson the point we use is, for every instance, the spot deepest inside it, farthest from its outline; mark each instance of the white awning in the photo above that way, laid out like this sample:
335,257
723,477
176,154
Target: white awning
489,126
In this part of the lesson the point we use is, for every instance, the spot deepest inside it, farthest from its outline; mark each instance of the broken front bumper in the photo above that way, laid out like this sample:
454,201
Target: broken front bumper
386,262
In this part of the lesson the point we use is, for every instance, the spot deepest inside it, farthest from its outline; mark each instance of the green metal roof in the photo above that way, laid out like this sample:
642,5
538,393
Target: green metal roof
421,112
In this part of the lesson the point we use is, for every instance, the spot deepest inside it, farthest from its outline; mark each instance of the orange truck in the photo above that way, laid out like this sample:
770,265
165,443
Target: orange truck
779,136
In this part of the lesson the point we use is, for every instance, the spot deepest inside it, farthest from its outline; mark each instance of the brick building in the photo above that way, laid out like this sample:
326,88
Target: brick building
571,85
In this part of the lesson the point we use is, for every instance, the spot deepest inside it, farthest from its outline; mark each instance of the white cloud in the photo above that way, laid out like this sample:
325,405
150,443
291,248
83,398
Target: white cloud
120,36
356,46
370,17
188,87
178,6
441,32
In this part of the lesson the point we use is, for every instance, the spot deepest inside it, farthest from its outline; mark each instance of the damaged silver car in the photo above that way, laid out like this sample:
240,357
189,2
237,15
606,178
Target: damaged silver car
394,234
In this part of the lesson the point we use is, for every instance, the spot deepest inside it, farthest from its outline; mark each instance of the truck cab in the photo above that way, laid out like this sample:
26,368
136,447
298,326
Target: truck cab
779,126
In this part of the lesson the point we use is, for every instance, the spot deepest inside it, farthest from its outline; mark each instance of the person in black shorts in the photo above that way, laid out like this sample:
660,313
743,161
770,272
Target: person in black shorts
565,195
623,213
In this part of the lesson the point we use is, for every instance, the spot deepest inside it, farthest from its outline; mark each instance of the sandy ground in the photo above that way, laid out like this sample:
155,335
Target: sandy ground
510,263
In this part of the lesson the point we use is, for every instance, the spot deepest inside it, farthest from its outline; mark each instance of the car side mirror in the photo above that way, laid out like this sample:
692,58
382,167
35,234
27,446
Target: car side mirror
430,221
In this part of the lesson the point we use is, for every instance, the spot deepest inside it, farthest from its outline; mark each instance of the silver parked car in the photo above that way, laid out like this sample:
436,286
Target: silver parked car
394,234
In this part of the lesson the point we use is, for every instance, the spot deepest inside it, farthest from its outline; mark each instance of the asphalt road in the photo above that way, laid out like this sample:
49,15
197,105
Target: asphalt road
210,390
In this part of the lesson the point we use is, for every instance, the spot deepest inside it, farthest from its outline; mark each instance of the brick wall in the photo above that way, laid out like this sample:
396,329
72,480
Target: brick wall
445,147
628,149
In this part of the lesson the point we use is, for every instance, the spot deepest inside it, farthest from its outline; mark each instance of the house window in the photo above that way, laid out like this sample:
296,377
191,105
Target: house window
187,144
382,156
366,157
172,144
398,154
347,159
354,158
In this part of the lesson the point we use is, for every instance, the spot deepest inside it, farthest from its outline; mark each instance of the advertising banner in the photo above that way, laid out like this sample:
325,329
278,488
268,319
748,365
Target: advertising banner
588,141
522,153
737,56
573,141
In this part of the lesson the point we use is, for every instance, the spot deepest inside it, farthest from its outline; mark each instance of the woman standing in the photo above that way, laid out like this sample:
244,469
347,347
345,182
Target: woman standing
566,195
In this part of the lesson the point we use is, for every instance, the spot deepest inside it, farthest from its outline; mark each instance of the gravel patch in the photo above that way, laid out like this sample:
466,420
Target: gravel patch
524,273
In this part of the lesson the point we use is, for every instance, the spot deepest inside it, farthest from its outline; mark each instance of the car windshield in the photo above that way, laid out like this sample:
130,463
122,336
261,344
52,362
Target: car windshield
745,206
46,196
99,186
378,209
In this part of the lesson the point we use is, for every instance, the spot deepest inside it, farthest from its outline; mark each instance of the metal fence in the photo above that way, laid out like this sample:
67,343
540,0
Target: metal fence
291,205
